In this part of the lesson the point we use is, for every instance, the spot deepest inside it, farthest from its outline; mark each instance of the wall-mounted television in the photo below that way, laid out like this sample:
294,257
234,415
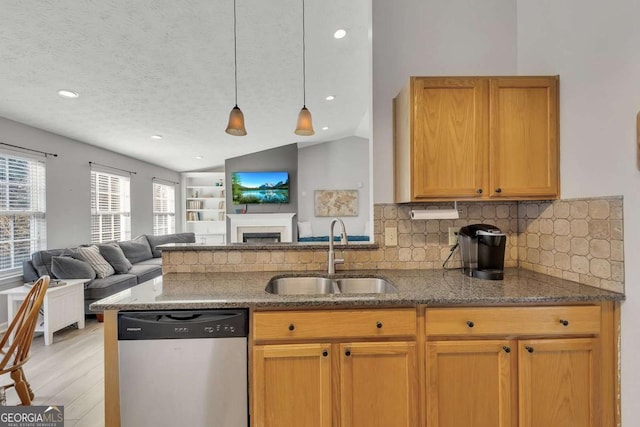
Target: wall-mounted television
260,187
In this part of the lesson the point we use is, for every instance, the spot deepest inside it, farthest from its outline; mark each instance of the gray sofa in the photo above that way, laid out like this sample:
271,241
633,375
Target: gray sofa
130,263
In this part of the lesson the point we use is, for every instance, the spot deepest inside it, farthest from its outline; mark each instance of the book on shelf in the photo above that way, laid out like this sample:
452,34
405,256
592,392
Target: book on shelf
194,204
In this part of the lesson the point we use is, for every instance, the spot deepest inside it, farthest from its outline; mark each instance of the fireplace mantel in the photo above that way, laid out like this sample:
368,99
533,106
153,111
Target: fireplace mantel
264,222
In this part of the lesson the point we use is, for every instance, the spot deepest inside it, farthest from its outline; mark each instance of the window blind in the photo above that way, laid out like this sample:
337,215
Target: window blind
22,211
164,209
110,207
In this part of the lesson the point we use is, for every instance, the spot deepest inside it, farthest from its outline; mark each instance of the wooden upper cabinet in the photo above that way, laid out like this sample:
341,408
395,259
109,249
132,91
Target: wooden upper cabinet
469,138
524,137
449,137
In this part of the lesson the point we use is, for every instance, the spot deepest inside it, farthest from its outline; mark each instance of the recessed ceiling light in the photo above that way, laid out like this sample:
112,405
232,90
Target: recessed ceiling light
68,93
330,98
199,157
340,34
157,136
325,128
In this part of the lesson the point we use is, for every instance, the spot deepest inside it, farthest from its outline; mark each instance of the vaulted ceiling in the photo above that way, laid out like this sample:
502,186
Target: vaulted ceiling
161,67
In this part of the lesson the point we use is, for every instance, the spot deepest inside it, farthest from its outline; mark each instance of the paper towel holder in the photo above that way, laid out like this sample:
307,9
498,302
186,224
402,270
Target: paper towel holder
437,213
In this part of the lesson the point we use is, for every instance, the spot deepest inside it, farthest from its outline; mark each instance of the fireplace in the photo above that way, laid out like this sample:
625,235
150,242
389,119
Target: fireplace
267,223
261,237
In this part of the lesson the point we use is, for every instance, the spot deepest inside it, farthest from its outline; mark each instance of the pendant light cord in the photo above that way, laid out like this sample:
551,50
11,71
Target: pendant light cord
304,66
235,51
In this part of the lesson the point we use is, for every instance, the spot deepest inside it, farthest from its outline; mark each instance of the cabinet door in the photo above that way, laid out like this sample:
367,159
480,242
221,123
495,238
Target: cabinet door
558,383
292,385
378,384
524,137
471,384
449,137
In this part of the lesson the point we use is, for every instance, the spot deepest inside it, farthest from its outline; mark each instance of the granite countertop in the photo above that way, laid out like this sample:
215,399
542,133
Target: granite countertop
433,287
274,246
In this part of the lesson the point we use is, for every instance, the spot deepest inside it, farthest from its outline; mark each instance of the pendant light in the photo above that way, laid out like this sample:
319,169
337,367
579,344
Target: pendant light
305,125
236,118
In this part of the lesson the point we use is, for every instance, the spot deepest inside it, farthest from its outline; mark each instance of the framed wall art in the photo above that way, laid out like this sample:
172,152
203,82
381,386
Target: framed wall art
336,203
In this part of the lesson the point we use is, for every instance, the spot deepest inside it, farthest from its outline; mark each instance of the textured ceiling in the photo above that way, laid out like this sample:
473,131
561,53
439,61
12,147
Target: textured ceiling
148,67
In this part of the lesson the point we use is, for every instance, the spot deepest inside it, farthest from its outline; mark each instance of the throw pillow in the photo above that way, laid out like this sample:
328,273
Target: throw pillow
42,260
114,256
154,241
136,250
29,273
304,229
69,268
91,254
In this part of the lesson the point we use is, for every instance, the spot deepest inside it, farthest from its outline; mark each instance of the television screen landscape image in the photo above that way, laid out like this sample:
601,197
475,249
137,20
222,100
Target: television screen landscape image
260,187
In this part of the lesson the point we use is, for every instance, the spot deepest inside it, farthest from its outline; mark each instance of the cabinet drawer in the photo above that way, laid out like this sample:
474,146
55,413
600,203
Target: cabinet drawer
573,320
333,324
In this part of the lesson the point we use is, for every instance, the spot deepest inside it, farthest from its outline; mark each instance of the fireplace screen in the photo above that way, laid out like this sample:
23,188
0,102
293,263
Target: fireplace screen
260,237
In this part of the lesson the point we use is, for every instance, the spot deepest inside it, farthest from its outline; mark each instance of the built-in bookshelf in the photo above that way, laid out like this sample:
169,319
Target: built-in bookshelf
204,204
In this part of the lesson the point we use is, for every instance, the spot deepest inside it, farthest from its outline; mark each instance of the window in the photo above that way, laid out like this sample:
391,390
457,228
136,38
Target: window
22,211
164,209
110,207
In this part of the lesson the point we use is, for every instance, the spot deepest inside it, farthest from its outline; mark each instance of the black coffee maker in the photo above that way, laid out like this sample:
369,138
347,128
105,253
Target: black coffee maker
482,247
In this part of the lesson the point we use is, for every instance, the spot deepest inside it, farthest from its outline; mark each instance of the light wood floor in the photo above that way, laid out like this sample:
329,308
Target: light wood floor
69,372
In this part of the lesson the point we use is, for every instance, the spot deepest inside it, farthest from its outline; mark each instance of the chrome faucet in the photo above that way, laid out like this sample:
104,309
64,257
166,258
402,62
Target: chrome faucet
343,239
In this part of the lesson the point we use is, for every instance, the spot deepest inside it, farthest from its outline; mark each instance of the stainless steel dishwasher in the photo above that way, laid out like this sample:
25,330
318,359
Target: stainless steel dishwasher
183,368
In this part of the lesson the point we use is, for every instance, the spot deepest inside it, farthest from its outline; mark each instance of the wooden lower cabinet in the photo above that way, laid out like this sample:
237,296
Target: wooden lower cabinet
292,385
502,383
535,366
379,384
471,383
342,368
557,383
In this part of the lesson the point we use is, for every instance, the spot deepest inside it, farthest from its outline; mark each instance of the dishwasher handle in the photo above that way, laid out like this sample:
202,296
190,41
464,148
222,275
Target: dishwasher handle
181,324
198,317
178,317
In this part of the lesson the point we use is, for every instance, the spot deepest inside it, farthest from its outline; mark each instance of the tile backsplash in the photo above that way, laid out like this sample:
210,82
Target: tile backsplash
428,240
578,239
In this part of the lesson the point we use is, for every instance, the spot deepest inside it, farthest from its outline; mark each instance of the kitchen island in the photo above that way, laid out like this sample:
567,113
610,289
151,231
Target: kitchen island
439,324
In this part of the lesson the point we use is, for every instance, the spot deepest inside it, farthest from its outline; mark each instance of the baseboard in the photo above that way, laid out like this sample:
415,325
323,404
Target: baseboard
4,326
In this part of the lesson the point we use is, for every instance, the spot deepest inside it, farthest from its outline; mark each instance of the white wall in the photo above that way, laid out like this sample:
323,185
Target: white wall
593,46
430,38
334,165
68,183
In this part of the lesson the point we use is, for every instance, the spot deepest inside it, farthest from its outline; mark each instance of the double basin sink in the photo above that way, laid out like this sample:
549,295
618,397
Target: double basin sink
325,286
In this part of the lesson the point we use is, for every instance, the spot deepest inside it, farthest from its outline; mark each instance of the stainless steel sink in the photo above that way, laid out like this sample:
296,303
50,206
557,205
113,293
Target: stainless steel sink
325,286
365,285
301,286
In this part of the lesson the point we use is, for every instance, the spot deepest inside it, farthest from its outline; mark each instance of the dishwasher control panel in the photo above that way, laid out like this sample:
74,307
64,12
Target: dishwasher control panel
181,324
